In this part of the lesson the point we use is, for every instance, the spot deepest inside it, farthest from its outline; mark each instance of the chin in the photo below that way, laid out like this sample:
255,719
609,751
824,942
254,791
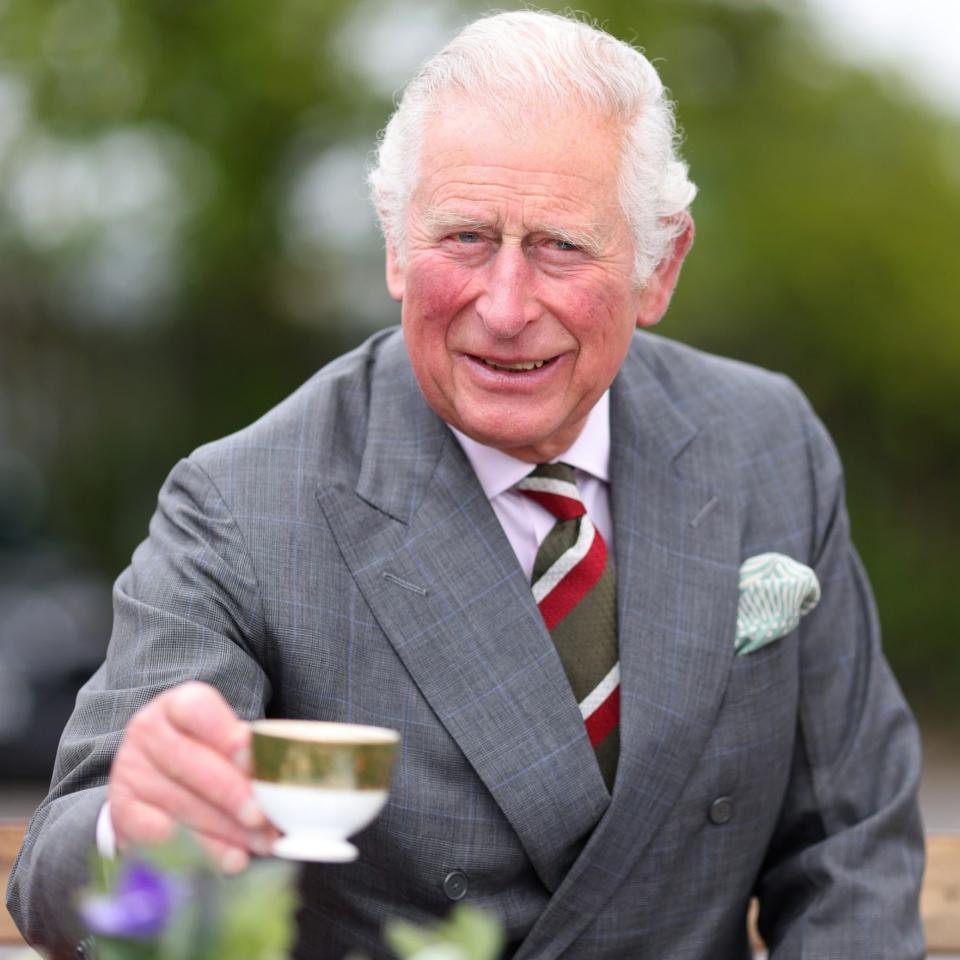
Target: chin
510,439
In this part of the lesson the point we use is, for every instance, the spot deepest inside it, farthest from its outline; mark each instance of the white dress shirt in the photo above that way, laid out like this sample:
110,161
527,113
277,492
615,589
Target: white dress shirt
524,521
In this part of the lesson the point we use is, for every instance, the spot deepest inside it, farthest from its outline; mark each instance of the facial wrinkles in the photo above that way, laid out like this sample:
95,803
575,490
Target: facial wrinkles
479,198
589,302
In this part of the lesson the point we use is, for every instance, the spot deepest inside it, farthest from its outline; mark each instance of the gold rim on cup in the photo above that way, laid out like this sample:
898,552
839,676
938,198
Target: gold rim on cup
317,753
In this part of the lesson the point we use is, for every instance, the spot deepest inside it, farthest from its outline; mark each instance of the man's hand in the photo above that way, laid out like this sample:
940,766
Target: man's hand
185,758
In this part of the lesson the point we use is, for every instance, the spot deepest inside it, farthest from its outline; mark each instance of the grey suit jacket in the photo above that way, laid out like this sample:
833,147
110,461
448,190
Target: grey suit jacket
338,559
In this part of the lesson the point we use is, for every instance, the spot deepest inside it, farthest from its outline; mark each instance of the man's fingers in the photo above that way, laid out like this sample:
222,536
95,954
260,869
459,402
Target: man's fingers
144,823
191,735
193,811
138,822
230,859
193,765
200,712
183,760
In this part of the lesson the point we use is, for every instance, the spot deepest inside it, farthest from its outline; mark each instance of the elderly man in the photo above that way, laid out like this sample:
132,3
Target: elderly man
599,760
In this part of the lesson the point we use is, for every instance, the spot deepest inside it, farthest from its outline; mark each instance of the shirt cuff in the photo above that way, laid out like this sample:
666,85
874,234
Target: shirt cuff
106,838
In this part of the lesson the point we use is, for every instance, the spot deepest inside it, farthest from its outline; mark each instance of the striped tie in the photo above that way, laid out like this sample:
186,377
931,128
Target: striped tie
574,588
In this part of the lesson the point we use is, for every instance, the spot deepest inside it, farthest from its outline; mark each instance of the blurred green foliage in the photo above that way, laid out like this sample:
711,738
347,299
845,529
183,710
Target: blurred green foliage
467,933
828,224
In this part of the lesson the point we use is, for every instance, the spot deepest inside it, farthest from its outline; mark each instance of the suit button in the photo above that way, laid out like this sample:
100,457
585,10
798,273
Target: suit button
455,885
720,811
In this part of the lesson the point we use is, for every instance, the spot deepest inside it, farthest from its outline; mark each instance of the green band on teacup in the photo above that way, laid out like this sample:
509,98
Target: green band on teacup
336,766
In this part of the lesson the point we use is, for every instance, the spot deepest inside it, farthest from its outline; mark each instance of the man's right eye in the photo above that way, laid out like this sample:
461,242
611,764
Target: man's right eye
467,236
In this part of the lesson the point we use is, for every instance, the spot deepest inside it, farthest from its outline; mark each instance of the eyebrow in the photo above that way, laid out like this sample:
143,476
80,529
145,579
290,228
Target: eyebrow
441,220
447,220
588,242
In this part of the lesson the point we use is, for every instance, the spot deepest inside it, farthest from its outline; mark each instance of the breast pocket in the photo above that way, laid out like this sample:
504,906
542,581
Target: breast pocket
755,675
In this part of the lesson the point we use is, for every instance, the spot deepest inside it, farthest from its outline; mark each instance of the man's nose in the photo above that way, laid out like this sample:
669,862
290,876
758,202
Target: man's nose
507,302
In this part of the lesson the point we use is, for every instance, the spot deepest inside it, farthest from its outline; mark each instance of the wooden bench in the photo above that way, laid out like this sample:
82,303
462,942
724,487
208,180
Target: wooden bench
939,901
940,897
11,836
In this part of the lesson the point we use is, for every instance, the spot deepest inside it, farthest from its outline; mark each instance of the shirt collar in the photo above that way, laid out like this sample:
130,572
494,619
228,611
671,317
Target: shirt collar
498,471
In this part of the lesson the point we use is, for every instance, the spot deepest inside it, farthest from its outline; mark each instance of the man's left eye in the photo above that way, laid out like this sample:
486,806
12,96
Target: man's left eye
565,245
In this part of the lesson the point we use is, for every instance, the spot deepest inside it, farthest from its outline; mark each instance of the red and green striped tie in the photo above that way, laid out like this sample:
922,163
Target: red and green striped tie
574,588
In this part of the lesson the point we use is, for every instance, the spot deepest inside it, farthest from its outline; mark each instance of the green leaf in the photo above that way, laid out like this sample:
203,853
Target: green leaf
405,939
478,932
107,949
258,914
469,932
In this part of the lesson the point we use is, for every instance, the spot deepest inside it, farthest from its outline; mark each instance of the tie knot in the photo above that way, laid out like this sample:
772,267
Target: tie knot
554,487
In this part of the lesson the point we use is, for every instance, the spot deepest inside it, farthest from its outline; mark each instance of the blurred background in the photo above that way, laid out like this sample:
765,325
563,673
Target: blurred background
185,238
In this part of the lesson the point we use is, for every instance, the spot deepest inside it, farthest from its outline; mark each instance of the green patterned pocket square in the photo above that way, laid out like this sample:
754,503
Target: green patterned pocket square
775,592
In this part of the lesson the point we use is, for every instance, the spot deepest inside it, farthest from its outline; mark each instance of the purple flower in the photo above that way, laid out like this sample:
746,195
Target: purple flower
138,909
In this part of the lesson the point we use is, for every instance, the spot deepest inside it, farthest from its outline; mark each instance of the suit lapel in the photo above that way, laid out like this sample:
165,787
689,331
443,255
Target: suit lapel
676,548
436,569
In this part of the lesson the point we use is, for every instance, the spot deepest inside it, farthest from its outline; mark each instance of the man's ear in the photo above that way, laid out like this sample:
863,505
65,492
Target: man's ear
655,296
395,274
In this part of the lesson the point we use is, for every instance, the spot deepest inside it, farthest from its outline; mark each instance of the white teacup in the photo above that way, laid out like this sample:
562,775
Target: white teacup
320,783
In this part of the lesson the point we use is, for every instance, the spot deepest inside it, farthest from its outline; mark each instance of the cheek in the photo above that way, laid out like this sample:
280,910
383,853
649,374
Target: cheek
603,326
434,296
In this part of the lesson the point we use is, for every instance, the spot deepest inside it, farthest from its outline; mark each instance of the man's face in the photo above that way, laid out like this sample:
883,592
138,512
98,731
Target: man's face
518,302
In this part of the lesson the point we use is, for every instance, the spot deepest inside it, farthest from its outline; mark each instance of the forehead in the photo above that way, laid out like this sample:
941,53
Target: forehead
476,162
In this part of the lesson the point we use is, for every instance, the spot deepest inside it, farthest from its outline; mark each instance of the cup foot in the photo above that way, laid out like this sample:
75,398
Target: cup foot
316,849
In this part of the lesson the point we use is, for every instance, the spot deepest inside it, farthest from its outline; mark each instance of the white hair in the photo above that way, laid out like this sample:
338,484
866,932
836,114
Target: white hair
525,57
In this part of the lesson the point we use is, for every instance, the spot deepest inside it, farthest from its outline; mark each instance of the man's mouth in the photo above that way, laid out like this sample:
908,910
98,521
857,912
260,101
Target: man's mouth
515,367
